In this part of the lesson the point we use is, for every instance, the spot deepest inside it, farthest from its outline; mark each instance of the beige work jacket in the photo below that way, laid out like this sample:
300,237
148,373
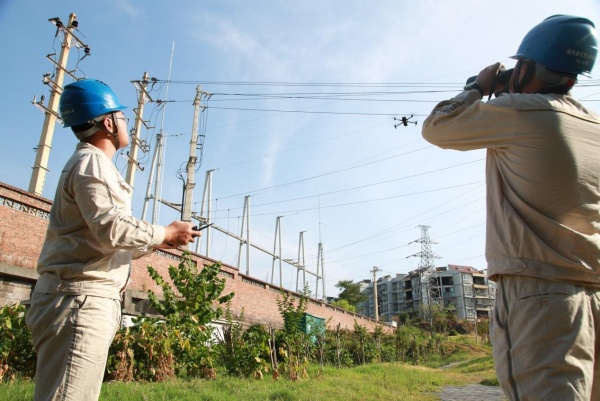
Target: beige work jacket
543,180
92,235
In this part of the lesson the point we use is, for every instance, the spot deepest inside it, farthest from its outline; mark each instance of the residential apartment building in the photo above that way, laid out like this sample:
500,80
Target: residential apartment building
462,288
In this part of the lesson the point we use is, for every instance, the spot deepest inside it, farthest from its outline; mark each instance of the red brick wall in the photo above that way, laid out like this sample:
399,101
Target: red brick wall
23,223
22,231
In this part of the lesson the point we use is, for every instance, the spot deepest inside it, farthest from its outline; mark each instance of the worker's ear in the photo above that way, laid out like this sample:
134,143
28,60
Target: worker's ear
107,124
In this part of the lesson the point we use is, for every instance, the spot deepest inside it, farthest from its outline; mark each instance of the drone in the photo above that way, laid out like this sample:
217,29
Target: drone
404,121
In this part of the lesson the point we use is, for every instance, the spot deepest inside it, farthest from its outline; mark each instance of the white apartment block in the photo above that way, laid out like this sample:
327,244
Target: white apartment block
463,288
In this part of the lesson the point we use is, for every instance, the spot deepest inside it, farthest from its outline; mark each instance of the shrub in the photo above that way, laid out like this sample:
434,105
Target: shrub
180,343
243,353
17,357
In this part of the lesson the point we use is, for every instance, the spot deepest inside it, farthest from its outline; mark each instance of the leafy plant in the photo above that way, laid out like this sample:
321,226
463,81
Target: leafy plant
17,357
189,311
296,348
142,353
180,342
243,353
344,304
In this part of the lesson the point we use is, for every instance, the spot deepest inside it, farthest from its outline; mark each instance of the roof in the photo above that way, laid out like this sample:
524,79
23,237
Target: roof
464,269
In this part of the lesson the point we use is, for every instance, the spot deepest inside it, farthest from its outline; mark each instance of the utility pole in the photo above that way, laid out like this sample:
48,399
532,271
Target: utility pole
321,271
374,270
149,195
190,182
191,164
206,209
302,264
278,255
320,261
136,143
475,307
246,225
55,82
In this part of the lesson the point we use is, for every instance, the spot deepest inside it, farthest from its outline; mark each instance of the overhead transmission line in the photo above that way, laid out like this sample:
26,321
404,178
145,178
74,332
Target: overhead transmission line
319,84
402,224
362,96
367,201
321,175
354,188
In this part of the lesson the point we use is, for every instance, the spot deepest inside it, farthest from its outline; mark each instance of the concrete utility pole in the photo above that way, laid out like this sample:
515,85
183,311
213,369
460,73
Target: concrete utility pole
320,271
193,159
374,270
476,320
55,82
132,162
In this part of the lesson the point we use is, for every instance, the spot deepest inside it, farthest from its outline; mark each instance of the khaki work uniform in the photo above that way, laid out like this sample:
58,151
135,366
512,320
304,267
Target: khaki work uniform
543,235
84,266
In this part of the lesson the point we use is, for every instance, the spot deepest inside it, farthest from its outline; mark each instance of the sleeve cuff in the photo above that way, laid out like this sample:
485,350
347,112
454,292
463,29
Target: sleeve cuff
158,235
468,96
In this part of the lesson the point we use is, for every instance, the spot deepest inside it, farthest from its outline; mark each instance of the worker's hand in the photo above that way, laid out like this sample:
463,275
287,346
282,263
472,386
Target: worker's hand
178,233
487,77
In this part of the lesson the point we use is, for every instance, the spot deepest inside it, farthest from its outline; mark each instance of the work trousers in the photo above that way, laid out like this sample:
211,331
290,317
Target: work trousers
545,340
71,335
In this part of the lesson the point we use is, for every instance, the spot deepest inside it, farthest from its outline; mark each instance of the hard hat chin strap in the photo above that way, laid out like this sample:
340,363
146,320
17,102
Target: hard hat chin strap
557,83
116,133
520,84
88,129
93,126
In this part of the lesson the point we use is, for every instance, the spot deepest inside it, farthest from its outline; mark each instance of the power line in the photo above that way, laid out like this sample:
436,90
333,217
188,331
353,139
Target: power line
357,187
296,211
348,113
322,175
403,223
316,84
302,146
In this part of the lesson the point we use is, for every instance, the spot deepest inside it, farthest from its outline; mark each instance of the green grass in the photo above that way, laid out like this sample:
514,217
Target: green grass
472,363
371,382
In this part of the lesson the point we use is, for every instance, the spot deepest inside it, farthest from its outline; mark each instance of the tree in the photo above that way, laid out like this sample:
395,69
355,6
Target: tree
350,291
344,304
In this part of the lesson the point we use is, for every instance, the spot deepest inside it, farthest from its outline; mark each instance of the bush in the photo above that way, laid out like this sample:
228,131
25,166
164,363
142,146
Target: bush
178,344
142,353
17,357
243,353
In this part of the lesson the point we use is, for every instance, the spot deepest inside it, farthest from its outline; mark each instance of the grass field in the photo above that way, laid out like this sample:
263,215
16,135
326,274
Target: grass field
388,381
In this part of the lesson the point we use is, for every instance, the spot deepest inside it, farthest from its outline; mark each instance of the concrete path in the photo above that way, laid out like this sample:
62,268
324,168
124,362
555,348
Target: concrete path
472,392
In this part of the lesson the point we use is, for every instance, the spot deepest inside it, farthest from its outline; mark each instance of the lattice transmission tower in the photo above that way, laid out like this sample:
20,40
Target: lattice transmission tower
430,283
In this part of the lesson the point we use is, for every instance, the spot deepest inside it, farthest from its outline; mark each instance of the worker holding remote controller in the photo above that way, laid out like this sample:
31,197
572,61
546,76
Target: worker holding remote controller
91,239
543,209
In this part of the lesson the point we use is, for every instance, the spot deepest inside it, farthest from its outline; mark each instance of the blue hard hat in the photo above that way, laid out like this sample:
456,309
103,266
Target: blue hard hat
562,43
85,100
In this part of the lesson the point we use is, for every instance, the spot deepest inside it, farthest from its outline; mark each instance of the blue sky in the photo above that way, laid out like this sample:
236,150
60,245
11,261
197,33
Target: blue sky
301,117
